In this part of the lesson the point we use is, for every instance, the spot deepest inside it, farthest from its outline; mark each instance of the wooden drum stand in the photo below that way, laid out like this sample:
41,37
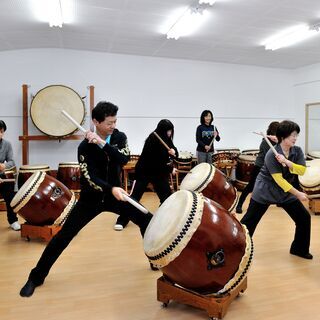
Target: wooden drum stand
216,306
46,233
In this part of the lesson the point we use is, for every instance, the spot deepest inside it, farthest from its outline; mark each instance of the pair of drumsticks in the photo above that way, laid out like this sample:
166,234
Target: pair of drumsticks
126,197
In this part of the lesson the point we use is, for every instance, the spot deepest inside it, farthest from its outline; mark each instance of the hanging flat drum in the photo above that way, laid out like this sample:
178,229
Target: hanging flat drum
46,107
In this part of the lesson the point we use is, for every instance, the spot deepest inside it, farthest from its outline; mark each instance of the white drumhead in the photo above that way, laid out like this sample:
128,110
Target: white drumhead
69,164
185,155
46,107
247,157
27,190
198,177
34,167
313,163
314,154
250,151
311,177
172,226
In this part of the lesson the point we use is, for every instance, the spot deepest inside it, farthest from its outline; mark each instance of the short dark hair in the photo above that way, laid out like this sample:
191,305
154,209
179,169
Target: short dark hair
285,129
3,125
104,109
272,129
204,114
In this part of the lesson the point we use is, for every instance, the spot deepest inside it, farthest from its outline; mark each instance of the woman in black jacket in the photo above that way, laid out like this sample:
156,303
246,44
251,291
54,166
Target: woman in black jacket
154,166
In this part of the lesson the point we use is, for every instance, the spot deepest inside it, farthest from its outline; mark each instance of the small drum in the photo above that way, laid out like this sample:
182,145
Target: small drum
184,156
245,165
197,245
69,174
313,155
46,107
225,155
26,171
310,181
212,183
43,200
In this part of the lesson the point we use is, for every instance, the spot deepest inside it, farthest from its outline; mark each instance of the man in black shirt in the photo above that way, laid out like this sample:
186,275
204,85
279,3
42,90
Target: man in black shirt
99,190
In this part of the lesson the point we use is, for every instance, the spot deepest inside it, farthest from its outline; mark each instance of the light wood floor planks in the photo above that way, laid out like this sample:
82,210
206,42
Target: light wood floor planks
104,274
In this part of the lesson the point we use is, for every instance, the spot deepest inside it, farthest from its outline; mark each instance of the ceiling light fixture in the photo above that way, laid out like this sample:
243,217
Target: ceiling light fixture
187,23
291,36
209,2
55,13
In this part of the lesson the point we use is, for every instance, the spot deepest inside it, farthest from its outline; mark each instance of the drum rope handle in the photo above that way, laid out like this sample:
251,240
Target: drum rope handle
67,115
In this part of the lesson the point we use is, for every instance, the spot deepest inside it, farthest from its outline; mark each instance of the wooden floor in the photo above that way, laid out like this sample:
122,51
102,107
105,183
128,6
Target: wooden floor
104,274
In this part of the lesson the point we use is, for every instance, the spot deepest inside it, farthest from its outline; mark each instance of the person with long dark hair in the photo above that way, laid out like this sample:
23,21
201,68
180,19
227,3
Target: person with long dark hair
205,135
154,166
263,149
274,185
7,189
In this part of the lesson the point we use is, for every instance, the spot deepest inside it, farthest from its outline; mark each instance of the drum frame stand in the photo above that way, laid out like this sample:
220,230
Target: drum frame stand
216,306
46,233
314,206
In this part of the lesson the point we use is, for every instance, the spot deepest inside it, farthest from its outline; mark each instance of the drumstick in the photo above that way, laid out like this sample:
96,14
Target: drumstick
160,139
67,115
135,203
269,143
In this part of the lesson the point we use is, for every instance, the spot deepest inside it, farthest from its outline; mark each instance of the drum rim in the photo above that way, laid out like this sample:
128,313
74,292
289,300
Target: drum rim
203,184
63,135
69,164
162,256
26,192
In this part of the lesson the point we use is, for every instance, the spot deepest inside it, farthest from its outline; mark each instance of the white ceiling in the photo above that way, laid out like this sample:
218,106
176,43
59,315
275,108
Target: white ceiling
233,34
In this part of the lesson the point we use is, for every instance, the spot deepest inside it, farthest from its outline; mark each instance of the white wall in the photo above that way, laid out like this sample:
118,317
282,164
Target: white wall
242,98
306,91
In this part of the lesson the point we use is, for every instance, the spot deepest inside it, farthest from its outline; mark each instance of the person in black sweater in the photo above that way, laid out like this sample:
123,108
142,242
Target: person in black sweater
98,190
263,149
7,189
205,135
154,166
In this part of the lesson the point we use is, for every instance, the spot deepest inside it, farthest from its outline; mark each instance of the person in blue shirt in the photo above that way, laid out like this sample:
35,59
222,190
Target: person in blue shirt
205,136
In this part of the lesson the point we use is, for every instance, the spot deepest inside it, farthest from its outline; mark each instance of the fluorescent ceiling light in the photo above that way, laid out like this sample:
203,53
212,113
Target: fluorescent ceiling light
187,23
209,2
290,37
54,12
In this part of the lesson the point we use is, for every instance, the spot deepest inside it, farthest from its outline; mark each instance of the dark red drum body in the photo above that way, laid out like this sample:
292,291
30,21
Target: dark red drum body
26,171
209,180
245,165
197,244
69,175
43,200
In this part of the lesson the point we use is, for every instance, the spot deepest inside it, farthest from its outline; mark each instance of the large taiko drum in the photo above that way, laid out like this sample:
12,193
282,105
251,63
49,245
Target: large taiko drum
310,181
46,107
197,244
209,180
69,174
26,171
43,200
245,165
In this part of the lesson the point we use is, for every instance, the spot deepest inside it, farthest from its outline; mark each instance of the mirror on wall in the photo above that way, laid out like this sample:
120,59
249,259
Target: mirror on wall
312,143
